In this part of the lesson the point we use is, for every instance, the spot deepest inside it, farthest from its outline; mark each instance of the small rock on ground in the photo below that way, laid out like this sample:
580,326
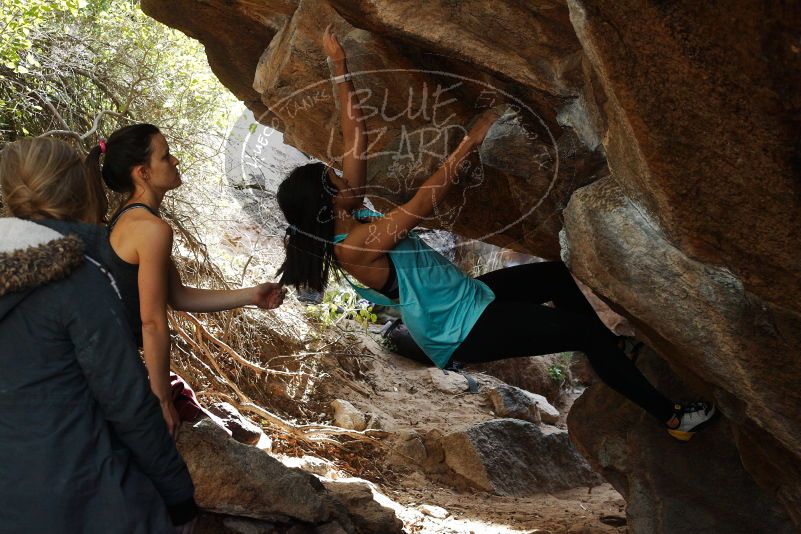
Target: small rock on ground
346,415
448,381
434,511
516,403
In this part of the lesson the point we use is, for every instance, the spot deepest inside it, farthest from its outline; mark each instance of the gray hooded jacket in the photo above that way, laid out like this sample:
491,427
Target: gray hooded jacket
83,446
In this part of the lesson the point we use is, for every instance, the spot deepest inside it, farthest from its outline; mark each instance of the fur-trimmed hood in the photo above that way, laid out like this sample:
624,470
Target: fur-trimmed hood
32,255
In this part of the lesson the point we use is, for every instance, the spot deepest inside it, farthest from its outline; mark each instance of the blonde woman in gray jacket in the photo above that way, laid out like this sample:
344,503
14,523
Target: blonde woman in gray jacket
83,446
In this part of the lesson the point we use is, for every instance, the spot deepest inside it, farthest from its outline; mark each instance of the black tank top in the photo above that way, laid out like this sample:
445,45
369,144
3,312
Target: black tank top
127,276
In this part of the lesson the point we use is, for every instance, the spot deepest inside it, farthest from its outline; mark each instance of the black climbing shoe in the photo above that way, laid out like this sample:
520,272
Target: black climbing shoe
692,417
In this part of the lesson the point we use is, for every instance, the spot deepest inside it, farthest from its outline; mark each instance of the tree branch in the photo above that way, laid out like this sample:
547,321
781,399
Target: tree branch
82,137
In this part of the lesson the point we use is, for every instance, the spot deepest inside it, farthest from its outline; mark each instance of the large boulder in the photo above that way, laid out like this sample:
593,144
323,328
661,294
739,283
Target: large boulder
418,103
513,457
698,486
240,480
710,328
702,119
695,237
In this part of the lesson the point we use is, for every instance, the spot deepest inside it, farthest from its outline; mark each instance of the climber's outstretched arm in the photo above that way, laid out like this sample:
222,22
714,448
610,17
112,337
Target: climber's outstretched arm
367,242
354,129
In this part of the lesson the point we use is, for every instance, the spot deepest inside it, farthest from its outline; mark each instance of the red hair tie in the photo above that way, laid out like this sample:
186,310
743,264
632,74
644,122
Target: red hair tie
102,144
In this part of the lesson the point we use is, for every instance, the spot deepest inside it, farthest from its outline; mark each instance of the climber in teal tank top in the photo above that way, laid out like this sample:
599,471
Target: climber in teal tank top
452,317
438,302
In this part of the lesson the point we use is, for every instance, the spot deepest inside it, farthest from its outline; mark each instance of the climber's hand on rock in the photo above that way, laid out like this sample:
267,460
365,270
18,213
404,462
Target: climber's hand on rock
331,45
482,126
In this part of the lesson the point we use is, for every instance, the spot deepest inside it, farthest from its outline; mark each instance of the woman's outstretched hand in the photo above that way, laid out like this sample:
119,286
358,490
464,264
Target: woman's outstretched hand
331,45
269,296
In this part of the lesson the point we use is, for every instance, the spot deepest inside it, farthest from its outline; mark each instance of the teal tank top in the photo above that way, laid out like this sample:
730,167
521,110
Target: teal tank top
438,302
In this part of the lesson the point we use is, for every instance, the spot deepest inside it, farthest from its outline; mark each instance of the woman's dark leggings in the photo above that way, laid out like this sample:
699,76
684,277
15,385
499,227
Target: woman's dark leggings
518,324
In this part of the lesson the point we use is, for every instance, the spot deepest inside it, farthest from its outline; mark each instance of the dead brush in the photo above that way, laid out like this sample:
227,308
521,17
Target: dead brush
209,353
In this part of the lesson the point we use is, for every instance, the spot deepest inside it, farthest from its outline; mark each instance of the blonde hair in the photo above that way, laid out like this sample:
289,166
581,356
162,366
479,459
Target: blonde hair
46,178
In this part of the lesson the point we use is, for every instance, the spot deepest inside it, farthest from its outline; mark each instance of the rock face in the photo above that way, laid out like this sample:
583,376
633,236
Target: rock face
671,486
746,353
237,479
418,96
708,267
512,457
683,116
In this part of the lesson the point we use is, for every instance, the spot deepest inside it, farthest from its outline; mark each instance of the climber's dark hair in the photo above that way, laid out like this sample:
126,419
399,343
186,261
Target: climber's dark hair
305,198
125,149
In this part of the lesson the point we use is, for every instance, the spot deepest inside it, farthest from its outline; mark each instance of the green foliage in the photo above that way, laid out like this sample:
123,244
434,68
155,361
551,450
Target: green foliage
80,69
68,64
556,373
21,19
62,62
339,305
559,371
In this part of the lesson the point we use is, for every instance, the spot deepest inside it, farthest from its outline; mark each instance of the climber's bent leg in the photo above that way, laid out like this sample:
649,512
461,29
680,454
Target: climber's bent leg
538,283
509,329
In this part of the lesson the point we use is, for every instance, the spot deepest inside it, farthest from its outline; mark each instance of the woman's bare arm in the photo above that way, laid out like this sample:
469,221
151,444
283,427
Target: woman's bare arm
153,243
268,295
354,129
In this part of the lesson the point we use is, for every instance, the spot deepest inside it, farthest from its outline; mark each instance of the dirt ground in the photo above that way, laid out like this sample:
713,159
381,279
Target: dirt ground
576,511
399,395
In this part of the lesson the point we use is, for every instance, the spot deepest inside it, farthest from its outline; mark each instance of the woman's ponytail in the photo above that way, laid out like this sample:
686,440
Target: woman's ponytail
94,176
46,178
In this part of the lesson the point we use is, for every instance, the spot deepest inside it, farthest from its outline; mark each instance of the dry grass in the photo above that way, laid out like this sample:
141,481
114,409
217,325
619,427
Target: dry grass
255,363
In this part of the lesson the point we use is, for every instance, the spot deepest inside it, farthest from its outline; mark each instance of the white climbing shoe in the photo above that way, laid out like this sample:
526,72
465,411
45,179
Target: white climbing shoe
692,417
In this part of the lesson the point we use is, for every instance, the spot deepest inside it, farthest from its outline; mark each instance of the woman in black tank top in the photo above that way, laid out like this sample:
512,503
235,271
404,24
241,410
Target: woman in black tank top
137,162
126,275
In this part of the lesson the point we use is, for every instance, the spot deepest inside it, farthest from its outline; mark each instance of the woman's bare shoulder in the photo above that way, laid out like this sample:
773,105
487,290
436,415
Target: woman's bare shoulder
142,220
143,229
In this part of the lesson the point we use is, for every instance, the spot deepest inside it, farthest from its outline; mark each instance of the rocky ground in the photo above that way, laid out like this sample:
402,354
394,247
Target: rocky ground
420,404
448,460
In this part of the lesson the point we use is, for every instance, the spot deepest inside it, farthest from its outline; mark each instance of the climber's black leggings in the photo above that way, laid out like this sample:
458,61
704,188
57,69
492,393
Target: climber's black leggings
517,323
